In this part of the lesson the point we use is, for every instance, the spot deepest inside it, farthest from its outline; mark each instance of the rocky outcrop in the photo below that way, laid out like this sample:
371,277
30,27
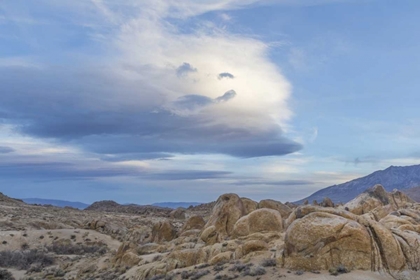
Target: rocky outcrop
163,231
283,209
194,222
327,202
113,207
178,214
5,200
249,205
323,238
126,255
228,210
261,220
377,197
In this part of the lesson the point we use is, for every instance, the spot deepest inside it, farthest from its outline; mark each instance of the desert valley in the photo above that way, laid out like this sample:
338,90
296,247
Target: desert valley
376,235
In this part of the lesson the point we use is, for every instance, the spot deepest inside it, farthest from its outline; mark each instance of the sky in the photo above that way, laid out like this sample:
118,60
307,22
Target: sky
142,101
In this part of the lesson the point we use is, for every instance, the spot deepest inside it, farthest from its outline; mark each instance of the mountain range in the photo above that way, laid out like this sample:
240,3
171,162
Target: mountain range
80,205
394,177
405,178
55,202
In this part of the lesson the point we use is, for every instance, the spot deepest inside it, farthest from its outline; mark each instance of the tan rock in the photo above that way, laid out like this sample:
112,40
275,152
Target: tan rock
410,245
163,231
253,246
183,258
178,213
126,255
249,205
322,240
284,210
228,209
327,202
221,258
261,220
369,200
194,222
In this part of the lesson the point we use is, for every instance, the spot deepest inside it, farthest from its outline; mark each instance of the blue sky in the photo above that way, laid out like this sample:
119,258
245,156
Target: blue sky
149,101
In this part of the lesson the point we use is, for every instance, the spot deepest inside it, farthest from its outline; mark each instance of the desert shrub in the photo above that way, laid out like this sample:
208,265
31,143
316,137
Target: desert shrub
157,258
203,265
197,275
63,248
225,277
186,274
162,277
239,267
59,273
340,269
269,262
23,260
254,271
218,267
6,275
300,272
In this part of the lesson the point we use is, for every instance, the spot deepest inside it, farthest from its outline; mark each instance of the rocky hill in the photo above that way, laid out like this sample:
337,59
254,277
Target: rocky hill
5,200
394,177
374,236
114,207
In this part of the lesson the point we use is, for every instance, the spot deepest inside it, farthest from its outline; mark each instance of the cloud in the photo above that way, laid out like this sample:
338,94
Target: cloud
187,175
6,150
227,96
192,102
225,75
274,182
133,103
185,69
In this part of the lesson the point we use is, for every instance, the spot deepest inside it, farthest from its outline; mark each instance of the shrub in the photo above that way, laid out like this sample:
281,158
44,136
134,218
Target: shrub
239,267
23,260
6,275
218,267
63,248
269,262
162,277
254,271
340,269
197,275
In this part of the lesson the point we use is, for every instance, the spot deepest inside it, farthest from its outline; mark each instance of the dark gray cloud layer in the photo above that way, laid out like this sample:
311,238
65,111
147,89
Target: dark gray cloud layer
225,75
185,69
58,170
100,113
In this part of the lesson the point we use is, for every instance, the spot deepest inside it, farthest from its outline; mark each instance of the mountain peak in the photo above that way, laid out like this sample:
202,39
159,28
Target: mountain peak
393,177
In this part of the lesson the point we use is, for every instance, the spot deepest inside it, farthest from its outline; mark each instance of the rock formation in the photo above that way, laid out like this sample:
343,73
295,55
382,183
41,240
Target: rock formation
376,231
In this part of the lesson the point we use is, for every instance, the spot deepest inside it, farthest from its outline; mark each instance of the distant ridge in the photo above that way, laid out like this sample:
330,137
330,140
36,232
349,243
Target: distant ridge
413,193
55,202
175,205
112,206
394,177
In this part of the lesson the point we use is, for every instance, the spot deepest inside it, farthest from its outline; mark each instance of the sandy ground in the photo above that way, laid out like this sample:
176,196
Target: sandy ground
41,238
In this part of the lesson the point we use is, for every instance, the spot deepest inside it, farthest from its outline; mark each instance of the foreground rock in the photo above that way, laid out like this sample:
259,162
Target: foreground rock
231,238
